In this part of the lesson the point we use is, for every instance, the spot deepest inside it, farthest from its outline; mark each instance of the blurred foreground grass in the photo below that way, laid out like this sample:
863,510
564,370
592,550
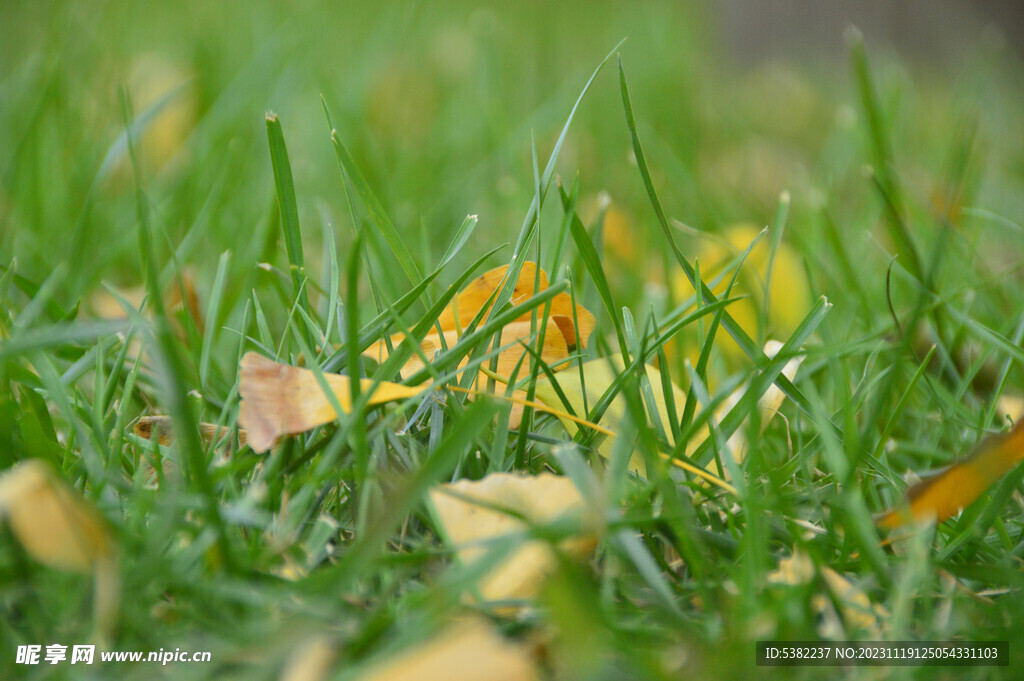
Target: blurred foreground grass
262,558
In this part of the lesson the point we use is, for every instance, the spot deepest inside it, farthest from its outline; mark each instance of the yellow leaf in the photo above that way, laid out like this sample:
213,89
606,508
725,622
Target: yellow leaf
559,337
467,651
278,399
793,571
59,528
944,495
466,515
789,299
53,522
553,351
472,299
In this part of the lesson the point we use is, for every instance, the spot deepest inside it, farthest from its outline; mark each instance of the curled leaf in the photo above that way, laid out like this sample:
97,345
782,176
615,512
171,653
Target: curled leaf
476,294
469,515
942,496
278,399
553,351
461,311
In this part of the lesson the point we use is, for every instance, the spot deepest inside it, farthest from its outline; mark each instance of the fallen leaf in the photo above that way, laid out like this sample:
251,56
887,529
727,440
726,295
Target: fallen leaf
470,650
53,522
553,351
598,375
856,608
468,515
789,297
310,661
163,427
858,611
476,294
560,337
942,496
62,530
793,571
468,303
279,399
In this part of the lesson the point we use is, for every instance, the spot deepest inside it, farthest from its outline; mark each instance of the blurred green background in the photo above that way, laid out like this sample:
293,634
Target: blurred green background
439,103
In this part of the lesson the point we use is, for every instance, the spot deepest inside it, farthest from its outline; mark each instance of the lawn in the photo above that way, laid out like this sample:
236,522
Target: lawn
651,335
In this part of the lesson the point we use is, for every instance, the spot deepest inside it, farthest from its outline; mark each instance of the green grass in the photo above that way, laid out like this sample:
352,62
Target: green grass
898,185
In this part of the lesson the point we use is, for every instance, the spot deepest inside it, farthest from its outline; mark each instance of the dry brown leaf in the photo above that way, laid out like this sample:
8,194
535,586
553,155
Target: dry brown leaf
942,496
163,427
466,651
467,525
278,399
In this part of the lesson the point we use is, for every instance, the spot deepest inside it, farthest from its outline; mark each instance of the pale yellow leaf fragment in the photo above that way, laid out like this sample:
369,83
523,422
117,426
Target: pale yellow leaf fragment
468,515
310,661
768,404
793,571
470,650
856,608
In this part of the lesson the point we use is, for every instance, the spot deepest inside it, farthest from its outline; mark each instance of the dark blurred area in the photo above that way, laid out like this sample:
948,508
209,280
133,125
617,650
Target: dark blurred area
917,29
